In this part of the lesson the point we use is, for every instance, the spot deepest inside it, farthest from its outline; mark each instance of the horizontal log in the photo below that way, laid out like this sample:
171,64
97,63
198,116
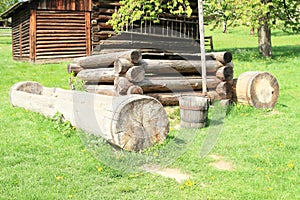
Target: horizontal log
101,89
74,68
179,66
131,122
171,99
105,60
223,57
102,75
175,85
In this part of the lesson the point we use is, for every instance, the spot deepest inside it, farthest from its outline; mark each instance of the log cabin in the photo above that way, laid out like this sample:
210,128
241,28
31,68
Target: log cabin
50,30
56,30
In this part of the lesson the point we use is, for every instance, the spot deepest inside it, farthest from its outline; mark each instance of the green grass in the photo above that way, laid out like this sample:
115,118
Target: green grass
37,161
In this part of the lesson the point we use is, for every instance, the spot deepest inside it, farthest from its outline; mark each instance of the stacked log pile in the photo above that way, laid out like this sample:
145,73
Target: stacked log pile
164,76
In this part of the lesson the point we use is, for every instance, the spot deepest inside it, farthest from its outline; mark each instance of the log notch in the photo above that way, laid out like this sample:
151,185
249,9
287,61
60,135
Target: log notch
258,89
224,90
121,85
132,122
225,73
135,74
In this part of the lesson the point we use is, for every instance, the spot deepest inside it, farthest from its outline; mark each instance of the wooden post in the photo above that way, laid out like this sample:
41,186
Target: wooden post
202,46
88,32
32,35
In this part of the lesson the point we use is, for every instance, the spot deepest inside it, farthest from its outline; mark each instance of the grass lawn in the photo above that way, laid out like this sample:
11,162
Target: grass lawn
39,161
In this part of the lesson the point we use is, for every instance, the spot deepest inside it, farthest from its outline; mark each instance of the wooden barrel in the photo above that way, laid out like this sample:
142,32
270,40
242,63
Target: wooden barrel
193,111
258,89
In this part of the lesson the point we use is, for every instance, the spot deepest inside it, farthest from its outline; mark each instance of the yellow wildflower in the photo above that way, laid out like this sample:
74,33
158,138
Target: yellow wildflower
181,187
291,164
70,196
59,177
259,169
269,188
189,183
100,169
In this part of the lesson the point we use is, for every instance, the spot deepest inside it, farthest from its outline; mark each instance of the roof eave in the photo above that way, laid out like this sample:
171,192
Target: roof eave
8,13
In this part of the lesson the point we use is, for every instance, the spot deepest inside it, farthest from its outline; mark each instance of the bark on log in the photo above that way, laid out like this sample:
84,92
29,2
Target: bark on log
106,60
132,122
178,66
225,73
121,85
184,84
101,75
135,74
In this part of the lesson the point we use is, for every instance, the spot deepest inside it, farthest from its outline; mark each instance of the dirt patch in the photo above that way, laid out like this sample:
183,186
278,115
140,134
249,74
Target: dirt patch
167,172
221,163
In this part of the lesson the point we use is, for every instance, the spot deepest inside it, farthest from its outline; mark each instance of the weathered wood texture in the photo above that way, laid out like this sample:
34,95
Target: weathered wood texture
106,60
258,89
21,34
102,75
193,111
61,35
54,30
132,122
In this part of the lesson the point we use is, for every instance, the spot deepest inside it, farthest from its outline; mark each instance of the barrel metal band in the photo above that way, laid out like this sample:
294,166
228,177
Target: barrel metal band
196,108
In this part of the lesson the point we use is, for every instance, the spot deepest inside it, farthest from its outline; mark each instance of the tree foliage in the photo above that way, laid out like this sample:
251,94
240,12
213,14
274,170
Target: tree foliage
5,4
135,10
283,14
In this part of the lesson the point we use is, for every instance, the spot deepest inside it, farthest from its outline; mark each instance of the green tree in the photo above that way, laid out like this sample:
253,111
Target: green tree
5,4
135,10
260,14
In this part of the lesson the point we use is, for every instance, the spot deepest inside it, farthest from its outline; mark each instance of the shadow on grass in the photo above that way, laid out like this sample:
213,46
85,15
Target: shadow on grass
250,54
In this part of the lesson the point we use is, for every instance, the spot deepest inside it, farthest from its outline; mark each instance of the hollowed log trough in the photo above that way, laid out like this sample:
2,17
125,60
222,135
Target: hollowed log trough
132,122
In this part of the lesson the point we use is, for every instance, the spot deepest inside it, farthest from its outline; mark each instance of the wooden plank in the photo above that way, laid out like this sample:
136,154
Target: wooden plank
71,28
61,45
42,35
60,41
59,49
59,31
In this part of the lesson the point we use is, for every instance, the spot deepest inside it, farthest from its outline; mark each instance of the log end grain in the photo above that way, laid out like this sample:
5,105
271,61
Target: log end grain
139,122
258,89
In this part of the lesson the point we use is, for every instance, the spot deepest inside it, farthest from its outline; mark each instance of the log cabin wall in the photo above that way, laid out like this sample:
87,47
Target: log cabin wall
20,34
183,30
62,30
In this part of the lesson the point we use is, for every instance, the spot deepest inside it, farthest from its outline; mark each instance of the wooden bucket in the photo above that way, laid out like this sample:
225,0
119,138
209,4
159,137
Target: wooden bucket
193,111
258,89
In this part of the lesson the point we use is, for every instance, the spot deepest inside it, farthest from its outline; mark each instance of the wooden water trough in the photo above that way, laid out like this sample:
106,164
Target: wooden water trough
131,122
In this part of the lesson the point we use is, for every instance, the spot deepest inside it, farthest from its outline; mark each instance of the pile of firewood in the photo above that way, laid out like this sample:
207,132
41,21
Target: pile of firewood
162,75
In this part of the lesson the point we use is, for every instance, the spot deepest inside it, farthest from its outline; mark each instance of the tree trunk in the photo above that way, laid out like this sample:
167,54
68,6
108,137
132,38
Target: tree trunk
264,34
264,40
